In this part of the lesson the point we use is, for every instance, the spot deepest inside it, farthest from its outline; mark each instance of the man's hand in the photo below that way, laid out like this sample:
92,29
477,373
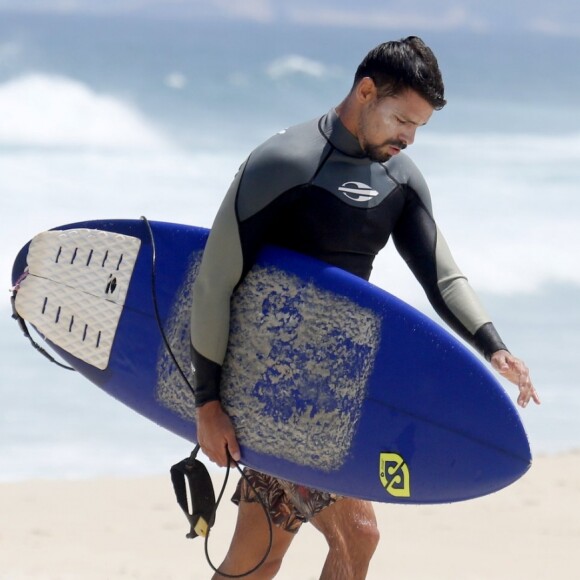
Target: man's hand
215,434
515,371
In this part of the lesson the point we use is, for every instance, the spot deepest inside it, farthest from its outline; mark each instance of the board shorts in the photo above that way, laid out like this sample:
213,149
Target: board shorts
289,504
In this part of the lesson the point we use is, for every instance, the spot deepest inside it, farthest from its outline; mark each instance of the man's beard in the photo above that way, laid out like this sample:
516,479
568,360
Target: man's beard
375,152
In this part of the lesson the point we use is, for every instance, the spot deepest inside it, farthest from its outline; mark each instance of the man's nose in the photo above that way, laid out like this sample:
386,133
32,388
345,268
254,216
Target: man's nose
408,135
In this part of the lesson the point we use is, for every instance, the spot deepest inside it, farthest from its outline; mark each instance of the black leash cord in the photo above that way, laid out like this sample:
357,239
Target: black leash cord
156,306
264,507
26,332
189,385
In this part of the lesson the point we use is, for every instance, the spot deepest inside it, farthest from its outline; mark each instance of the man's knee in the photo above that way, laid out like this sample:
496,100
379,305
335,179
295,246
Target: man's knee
350,528
370,536
360,539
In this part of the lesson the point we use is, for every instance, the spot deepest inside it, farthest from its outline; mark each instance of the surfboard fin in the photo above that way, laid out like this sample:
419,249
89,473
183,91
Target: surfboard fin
196,498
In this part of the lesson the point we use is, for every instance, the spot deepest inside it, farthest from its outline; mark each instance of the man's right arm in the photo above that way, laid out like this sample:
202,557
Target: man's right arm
254,204
219,272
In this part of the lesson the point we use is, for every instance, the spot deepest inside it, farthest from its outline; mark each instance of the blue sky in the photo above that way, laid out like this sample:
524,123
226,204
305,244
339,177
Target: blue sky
558,17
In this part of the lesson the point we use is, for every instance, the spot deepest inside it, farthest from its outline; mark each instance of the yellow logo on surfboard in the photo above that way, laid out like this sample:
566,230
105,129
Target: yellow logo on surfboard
395,476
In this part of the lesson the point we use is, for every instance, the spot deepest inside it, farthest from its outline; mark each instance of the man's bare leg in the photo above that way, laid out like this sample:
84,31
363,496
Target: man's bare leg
250,542
350,528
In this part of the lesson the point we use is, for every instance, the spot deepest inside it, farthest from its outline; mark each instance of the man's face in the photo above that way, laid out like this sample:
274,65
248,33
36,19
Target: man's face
387,125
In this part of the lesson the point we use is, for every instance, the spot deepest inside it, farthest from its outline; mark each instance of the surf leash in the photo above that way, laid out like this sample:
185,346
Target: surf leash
24,328
197,499
156,306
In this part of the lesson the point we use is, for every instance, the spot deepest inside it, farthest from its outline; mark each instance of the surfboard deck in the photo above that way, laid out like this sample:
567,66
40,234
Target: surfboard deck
331,381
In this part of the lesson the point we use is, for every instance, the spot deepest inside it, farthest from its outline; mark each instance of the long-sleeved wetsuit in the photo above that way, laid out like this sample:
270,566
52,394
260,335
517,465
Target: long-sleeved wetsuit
312,189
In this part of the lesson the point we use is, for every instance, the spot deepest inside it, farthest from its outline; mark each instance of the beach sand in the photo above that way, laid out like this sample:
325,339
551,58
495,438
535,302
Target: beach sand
133,528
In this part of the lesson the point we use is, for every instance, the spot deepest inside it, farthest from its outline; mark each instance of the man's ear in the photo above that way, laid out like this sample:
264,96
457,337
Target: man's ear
366,90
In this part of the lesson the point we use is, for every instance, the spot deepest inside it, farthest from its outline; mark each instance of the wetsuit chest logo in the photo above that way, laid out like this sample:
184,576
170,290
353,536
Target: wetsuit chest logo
357,191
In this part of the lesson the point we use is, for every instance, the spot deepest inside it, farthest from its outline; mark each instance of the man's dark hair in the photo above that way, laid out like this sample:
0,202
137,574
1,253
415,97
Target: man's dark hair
399,65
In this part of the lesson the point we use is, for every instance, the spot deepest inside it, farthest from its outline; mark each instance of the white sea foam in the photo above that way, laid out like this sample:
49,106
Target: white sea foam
294,64
43,110
176,80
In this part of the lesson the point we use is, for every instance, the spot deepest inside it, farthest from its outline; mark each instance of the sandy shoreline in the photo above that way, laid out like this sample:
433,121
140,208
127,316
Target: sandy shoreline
133,528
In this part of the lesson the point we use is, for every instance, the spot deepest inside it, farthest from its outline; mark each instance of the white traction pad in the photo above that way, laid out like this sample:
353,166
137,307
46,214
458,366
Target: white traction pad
76,288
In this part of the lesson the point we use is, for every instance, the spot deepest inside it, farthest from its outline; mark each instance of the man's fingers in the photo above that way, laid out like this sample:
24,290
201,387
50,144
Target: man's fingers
515,371
528,393
234,449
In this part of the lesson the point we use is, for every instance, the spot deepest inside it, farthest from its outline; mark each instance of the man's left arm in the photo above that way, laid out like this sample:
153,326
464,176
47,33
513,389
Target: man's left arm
423,247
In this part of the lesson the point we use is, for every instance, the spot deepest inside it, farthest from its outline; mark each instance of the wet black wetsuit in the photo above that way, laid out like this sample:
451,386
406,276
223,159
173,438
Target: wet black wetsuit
312,189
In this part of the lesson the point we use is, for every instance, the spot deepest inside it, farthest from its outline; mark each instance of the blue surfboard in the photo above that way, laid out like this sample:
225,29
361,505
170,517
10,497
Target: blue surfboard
331,381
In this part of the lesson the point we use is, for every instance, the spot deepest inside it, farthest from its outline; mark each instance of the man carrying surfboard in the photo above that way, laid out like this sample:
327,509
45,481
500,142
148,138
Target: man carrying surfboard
336,188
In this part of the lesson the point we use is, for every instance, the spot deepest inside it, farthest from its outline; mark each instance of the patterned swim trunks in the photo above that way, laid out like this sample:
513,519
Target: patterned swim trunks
289,504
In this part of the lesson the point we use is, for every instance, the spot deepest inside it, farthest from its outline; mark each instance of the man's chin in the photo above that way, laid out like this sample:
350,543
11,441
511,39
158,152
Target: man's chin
378,156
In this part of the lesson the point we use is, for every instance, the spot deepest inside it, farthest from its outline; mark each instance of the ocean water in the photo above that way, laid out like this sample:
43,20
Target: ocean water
111,117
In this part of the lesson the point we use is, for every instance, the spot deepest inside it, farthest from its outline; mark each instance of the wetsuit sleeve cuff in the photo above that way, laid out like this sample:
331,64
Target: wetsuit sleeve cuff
207,375
487,341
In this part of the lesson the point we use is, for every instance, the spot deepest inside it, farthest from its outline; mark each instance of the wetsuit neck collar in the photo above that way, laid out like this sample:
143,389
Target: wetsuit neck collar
339,136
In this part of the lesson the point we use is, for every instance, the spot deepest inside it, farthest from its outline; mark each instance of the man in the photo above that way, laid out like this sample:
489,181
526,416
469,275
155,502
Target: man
288,192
